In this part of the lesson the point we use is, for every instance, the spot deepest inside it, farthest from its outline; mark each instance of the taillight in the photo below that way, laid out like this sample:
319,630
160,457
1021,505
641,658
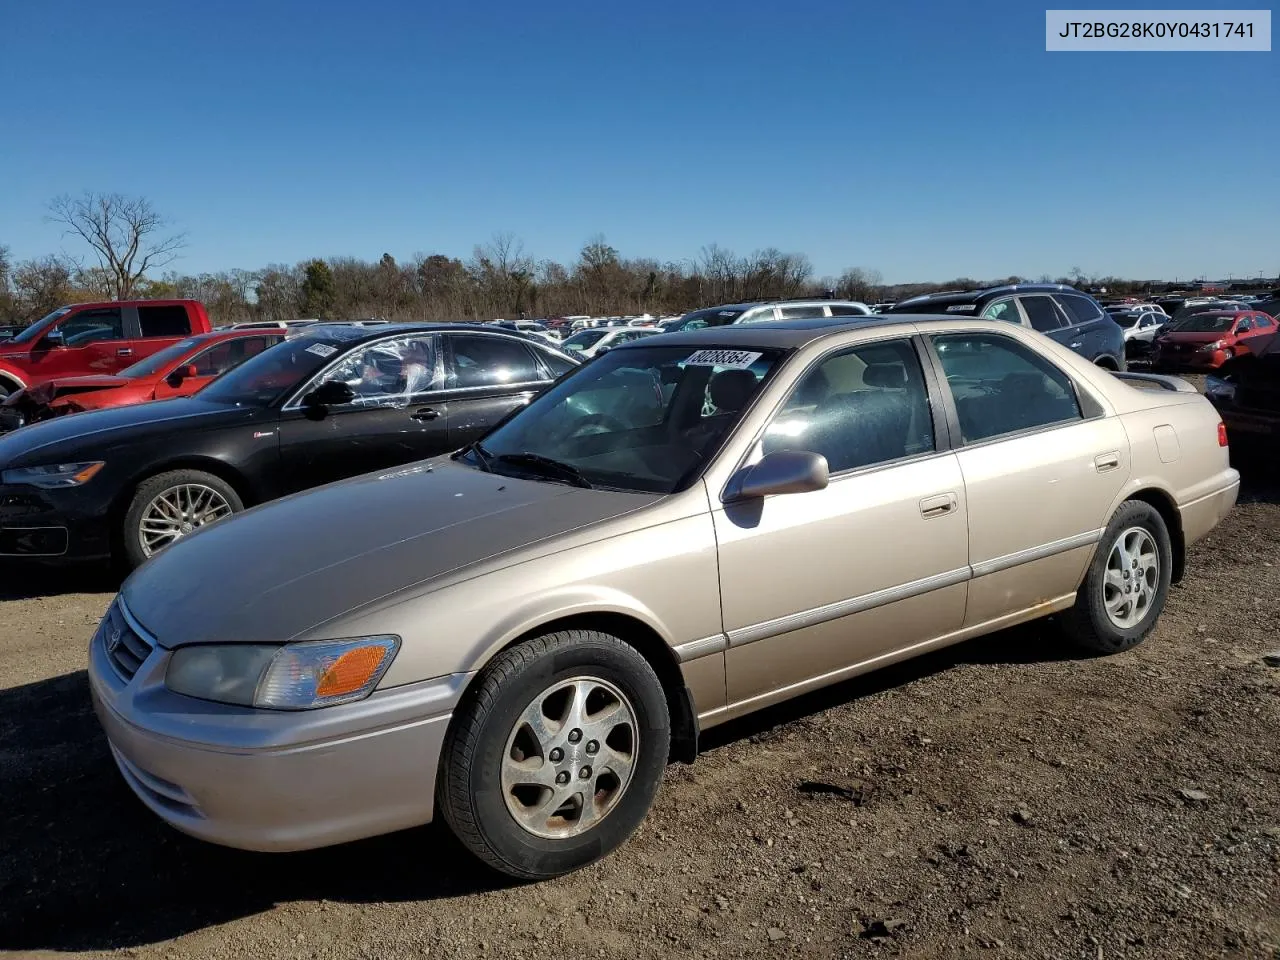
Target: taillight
1222,434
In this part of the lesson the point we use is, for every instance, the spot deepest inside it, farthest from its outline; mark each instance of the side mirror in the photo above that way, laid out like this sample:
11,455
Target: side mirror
54,338
331,393
786,471
182,373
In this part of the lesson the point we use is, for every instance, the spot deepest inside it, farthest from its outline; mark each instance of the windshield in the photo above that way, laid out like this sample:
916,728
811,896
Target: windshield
712,317
159,360
643,419
585,339
36,330
1206,323
267,377
1125,319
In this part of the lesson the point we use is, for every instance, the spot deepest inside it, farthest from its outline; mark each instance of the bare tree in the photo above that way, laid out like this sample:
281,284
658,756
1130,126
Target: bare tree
125,234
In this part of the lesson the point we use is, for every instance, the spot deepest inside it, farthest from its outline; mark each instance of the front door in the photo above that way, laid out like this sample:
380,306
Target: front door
815,583
487,377
210,363
88,342
397,416
1041,464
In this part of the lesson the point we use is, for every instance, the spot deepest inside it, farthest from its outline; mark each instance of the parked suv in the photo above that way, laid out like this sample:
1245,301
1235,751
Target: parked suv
85,339
1064,313
757,312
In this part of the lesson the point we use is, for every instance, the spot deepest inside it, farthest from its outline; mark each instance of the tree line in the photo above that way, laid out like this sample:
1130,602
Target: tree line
128,248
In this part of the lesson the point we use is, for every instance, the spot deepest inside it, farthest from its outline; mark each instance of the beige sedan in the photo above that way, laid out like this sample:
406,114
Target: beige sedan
686,529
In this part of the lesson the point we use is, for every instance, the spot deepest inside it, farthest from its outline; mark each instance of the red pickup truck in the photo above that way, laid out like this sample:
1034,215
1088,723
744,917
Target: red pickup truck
96,338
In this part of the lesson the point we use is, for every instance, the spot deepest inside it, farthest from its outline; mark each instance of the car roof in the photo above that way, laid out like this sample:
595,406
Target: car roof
776,335
972,296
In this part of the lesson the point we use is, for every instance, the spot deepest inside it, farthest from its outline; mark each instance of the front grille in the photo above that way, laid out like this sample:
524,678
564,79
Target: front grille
126,645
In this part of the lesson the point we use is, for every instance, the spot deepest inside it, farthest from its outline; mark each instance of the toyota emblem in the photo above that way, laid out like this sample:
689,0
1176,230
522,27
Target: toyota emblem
113,641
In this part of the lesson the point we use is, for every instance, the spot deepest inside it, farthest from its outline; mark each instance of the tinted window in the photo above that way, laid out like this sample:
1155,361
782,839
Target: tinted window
713,317
480,361
557,365
268,377
801,313
1005,310
1002,387
845,310
90,326
1043,313
1263,322
1079,309
758,316
861,407
164,321
221,357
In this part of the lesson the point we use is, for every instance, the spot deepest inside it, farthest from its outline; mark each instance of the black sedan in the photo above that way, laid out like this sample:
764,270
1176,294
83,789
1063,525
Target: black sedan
333,403
1246,391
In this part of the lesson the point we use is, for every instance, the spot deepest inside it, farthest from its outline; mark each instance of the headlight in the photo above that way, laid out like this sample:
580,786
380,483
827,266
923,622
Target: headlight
53,475
297,676
1216,345
1219,389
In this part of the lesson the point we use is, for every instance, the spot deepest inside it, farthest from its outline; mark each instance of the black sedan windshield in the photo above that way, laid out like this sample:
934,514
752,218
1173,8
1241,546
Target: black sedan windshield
266,378
640,418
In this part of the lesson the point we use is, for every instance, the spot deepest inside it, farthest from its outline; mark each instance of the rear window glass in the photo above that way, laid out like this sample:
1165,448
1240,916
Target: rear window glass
170,321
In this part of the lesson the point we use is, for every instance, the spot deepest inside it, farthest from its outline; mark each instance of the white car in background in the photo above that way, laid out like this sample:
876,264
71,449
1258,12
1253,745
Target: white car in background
597,340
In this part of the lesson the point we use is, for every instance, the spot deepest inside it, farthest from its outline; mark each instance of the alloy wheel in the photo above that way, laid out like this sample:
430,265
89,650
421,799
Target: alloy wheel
1132,577
178,511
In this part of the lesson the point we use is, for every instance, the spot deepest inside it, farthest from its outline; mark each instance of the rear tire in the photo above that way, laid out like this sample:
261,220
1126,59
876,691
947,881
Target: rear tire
184,499
519,745
1125,588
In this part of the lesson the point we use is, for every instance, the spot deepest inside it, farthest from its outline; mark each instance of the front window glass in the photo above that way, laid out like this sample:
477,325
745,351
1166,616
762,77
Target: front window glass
91,326
158,361
1002,387
858,408
1005,310
1043,313
648,418
712,317
37,329
272,374
389,372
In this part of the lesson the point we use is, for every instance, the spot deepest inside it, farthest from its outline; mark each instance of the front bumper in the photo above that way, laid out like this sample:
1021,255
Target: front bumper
1196,360
274,780
40,524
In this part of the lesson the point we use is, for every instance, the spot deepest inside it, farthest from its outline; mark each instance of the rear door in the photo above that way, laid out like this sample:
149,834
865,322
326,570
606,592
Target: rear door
1044,314
150,328
1090,327
488,375
399,415
1042,466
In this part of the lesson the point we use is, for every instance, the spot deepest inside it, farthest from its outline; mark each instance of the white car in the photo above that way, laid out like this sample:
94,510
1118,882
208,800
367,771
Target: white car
589,343
1140,325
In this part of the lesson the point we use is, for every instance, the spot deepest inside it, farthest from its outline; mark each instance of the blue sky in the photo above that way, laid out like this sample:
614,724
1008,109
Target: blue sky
925,140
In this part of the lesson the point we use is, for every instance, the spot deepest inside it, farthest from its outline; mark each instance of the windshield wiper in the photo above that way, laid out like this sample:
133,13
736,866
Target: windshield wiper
547,467
481,454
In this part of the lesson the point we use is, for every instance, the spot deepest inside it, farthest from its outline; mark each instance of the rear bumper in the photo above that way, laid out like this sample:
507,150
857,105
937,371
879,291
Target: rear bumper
273,780
1206,512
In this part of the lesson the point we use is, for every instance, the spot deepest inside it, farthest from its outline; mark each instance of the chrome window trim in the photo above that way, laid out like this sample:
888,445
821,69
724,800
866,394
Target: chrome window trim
916,588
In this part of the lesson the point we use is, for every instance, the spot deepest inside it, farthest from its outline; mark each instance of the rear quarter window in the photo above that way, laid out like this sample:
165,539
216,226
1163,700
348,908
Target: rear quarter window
1079,309
169,321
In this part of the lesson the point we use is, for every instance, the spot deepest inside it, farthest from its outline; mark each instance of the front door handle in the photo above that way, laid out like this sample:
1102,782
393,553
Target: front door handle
1107,461
124,352
939,506
425,413
1077,345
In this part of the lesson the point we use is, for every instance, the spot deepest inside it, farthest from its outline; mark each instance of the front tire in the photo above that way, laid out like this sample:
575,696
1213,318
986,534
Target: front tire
555,756
168,506
1125,588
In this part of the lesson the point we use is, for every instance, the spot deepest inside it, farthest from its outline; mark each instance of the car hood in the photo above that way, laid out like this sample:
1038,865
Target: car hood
96,430
1188,336
274,573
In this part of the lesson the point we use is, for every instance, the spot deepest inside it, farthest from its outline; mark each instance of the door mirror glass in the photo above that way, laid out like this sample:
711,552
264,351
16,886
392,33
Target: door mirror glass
54,338
786,471
182,373
331,393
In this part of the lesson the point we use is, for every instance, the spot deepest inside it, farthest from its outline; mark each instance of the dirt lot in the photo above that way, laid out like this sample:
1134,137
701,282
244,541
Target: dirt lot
1001,798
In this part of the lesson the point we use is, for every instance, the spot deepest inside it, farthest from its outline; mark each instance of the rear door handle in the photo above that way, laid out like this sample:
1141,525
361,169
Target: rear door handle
1107,461
425,413
124,352
939,506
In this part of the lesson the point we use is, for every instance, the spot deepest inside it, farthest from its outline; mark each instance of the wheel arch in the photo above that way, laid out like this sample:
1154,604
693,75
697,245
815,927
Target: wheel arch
211,465
1164,505
11,380
649,644
1106,362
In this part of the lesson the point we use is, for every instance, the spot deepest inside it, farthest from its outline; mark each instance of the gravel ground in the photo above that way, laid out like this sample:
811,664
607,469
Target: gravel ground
1003,798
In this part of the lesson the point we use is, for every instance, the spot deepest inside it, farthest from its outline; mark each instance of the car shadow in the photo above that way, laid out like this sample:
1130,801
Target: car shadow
84,866
1035,642
26,581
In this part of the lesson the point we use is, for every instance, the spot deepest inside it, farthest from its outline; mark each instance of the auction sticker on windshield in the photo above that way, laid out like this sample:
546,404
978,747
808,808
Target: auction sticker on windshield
727,359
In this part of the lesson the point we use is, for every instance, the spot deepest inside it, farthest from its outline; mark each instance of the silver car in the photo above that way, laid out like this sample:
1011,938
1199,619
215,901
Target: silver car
517,637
